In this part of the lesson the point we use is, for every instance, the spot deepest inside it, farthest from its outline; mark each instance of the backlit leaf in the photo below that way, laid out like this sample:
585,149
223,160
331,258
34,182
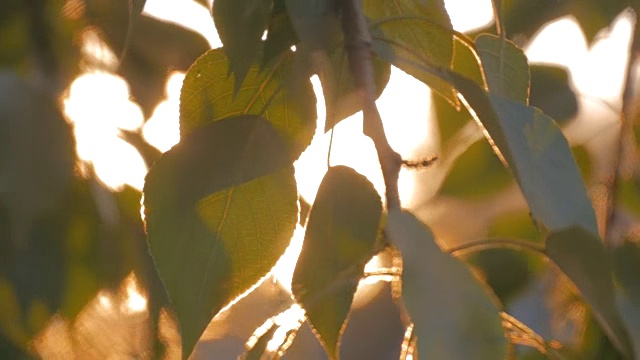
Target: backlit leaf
208,95
453,315
422,30
582,257
220,209
450,118
240,25
340,237
505,66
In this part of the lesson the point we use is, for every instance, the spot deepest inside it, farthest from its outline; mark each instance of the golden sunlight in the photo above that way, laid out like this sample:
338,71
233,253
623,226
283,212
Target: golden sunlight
98,105
162,130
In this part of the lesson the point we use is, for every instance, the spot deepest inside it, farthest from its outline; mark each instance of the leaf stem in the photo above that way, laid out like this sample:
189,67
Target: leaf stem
330,147
358,47
497,243
497,14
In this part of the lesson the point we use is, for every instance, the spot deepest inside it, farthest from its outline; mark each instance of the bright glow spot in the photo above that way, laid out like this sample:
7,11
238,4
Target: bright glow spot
288,320
186,13
597,72
602,74
559,42
374,266
98,106
283,270
121,164
134,302
162,130
105,301
97,52
404,106
468,15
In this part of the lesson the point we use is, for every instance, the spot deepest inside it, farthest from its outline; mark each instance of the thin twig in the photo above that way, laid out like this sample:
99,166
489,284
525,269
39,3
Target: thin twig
330,147
358,46
494,243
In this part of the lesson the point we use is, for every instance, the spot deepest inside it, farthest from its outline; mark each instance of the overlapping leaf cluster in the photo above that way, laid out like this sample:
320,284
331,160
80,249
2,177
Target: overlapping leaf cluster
221,205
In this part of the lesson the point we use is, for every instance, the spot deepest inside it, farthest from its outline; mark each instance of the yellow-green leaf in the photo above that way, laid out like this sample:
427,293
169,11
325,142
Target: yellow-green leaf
421,31
220,210
208,95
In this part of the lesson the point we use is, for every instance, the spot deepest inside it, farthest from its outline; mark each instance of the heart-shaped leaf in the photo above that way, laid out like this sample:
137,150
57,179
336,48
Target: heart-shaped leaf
208,95
421,30
220,210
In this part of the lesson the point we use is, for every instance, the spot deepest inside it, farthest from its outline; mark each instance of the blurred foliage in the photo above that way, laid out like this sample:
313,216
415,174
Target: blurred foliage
65,236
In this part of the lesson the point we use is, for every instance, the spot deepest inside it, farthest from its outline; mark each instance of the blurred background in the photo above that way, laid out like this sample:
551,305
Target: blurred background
89,97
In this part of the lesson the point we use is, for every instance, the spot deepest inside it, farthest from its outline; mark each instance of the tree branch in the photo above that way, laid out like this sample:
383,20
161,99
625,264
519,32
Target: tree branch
620,160
358,47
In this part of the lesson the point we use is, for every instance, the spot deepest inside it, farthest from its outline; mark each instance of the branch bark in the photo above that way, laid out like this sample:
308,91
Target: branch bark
625,137
358,47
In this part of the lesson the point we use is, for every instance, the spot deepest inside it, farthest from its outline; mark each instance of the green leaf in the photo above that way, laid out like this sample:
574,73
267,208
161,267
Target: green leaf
539,156
339,86
465,62
627,268
630,312
316,23
220,210
451,119
550,91
208,95
454,315
481,164
240,25
340,237
505,66
582,257
281,35
423,33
